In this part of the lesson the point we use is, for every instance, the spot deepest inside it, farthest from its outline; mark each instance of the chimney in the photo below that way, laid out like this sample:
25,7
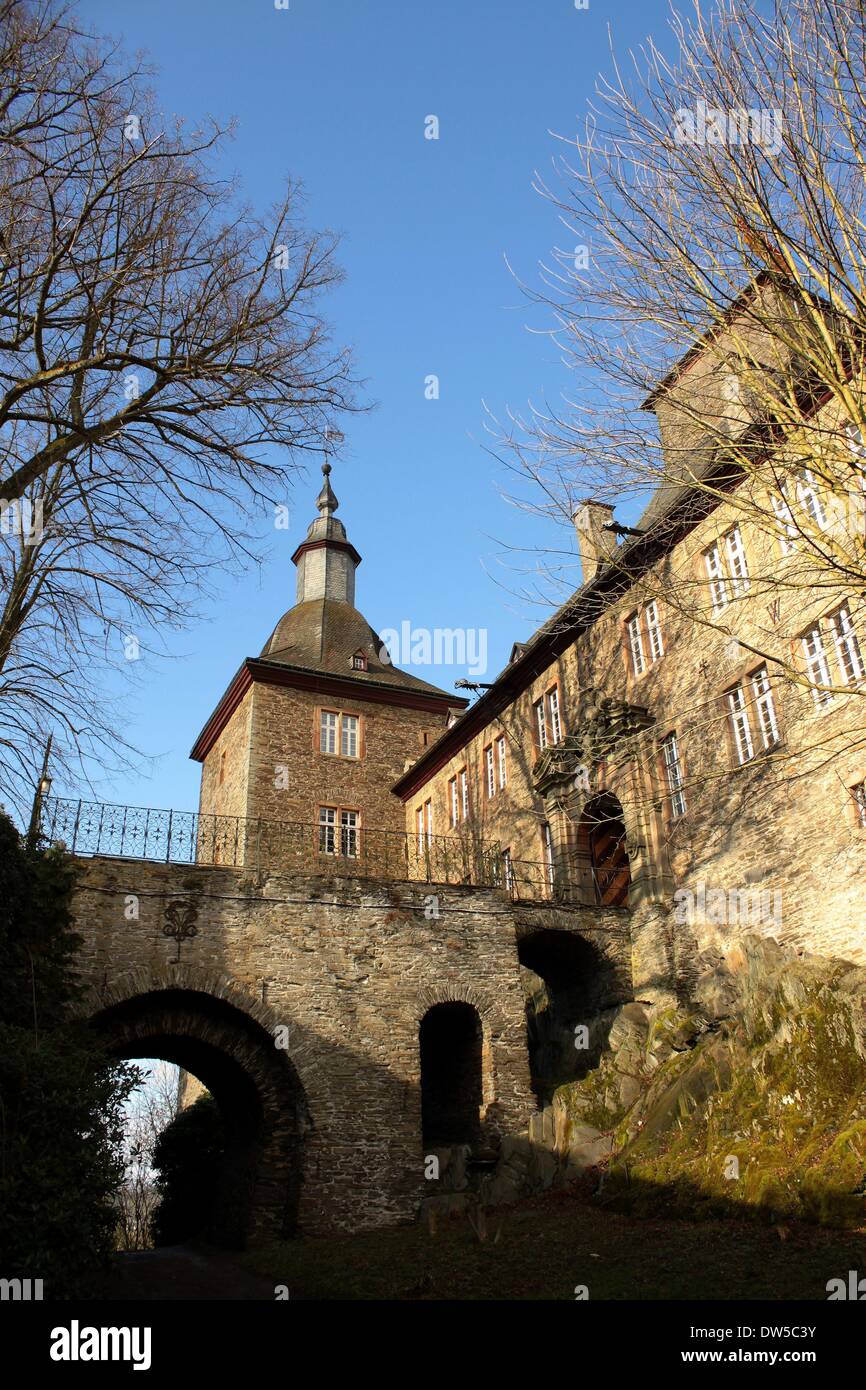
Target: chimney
595,545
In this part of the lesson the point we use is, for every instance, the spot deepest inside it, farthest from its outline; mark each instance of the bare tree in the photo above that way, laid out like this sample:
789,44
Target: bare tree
163,364
717,197
152,1107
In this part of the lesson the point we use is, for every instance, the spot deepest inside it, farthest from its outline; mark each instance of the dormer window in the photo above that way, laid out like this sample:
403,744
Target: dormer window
359,661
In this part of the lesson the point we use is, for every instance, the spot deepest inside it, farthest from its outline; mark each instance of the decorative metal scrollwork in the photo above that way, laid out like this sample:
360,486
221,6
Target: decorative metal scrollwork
181,917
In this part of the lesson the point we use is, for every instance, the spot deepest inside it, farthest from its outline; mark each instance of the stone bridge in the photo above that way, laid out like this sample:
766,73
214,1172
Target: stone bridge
343,1025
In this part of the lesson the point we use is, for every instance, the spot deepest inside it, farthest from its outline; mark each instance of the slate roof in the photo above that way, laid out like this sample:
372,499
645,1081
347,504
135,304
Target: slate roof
323,635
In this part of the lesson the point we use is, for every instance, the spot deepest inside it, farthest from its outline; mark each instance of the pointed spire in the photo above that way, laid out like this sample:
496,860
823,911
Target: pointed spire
326,501
326,560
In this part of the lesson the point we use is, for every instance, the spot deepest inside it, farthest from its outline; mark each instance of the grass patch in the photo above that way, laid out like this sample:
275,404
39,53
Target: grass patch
549,1245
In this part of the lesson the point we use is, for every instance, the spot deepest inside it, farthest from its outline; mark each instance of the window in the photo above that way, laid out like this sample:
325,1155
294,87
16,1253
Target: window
653,627
508,869
674,776
737,568
541,725
489,772
807,492
782,508
726,567
339,732
349,735
765,707
359,661
428,821
327,830
464,792
548,723
419,828
501,759
553,712
718,587
349,834
329,818
328,731
752,716
848,654
547,847
858,795
808,498
635,645
644,623
453,802
817,668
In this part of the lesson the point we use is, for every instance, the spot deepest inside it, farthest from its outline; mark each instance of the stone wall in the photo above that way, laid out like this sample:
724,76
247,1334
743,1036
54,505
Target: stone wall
348,968
782,825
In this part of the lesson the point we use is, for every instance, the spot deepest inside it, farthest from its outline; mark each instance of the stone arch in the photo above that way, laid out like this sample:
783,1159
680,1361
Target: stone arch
451,1044
570,982
256,1085
443,992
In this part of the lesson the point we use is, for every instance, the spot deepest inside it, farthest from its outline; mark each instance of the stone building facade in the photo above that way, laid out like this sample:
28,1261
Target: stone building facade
647,745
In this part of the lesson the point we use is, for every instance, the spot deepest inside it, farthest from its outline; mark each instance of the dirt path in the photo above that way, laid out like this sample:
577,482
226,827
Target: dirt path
183,1272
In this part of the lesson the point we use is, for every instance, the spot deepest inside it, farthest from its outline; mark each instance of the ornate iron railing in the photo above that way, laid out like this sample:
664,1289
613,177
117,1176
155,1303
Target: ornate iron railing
186,837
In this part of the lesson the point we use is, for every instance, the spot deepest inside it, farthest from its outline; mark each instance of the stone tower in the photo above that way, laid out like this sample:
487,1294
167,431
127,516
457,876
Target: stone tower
316,729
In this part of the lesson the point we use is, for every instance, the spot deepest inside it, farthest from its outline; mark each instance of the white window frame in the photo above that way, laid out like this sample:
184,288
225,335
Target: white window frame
464,792
350,735
810,500
553,711
762,693
453,801
419,828
541,724
817,665
635,645
501,758
738,714
738,567
329,731
849,657
858,794
489,772
428,821
327,830
654,632
549,862
508,869
350,828
716,576
785,518
674,776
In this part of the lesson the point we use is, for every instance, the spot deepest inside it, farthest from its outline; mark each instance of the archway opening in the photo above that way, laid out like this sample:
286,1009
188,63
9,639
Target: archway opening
262,1111
604,872
451,1043
569,988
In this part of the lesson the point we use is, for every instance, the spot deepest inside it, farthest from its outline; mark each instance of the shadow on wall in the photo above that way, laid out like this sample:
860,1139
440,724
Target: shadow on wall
572,994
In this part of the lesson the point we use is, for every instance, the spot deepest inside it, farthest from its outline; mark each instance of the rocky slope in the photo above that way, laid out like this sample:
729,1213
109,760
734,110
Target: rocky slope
751,1099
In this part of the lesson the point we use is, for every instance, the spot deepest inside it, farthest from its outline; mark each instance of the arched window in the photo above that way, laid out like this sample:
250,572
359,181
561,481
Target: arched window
450,1039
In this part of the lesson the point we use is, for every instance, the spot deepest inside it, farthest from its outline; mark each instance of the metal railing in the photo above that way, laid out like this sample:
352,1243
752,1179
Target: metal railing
186,837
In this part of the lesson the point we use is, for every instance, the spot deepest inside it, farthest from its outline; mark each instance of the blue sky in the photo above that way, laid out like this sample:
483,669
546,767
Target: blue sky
336,92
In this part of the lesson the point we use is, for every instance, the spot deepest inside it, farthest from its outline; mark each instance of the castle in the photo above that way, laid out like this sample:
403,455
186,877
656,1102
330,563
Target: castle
430,899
